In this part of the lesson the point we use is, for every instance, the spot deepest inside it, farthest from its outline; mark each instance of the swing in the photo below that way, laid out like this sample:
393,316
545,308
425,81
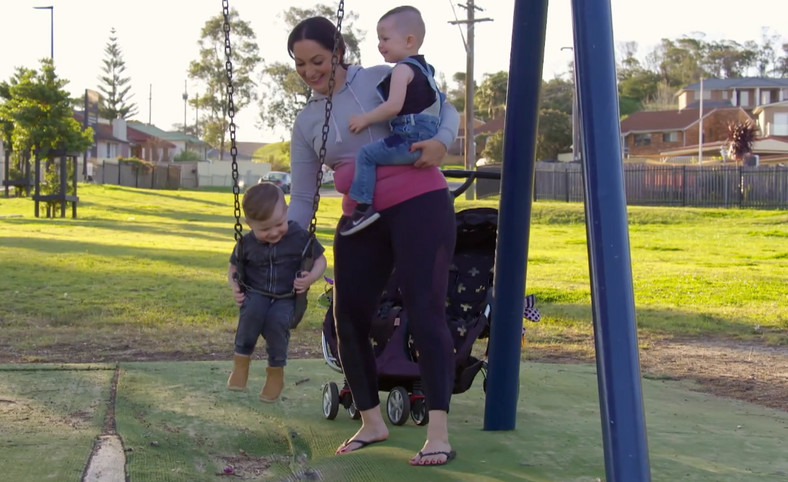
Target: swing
308,255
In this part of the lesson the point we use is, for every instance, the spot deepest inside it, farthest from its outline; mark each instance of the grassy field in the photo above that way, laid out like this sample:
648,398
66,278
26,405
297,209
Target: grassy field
144,271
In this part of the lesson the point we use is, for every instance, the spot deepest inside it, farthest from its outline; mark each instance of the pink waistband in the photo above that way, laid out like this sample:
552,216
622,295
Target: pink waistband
394,185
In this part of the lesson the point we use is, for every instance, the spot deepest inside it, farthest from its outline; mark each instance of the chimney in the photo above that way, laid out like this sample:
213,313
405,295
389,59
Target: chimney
119,129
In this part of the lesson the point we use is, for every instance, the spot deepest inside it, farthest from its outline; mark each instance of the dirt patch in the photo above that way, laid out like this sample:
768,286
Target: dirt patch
743,370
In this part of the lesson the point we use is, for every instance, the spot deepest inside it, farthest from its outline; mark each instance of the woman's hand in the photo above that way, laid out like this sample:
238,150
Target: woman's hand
432,153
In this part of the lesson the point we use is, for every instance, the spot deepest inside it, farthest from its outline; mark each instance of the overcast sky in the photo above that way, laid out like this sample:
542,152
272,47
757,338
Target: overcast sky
158,39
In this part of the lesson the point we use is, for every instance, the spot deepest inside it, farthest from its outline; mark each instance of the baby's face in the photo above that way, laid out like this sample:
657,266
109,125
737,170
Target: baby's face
272,229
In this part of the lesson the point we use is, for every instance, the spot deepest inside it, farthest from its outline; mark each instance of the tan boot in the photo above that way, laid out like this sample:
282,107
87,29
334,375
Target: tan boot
274,383
240,373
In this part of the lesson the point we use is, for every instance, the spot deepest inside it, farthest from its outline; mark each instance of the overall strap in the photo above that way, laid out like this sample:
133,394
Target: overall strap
440,97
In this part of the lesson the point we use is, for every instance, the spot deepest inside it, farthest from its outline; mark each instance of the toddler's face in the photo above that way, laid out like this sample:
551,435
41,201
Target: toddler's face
272,229
392,42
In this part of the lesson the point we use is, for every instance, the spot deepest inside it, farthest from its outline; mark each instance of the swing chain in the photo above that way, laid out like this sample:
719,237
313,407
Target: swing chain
329,107
231,113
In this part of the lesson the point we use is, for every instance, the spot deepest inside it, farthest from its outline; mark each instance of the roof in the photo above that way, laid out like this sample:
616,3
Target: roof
737,83
665,120
104,133
764,107
139,133
492,126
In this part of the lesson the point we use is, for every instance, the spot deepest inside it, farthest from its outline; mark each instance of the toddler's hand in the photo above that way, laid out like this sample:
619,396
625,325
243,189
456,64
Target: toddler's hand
302,282
238,295
357,124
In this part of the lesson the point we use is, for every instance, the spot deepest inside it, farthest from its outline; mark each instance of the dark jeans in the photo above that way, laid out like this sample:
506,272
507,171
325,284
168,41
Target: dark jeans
261,315
417,237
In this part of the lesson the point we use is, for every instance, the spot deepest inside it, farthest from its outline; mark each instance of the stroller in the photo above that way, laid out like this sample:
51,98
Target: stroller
468,306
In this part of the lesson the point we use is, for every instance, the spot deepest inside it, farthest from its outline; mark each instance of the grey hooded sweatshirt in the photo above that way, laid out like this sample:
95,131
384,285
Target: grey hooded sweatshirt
358,95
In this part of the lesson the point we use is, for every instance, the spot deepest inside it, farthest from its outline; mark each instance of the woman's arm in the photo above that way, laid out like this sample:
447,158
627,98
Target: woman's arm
434,150
304,165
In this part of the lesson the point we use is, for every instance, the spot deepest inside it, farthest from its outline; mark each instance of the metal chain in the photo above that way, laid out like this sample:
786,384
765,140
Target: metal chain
329,106
231,113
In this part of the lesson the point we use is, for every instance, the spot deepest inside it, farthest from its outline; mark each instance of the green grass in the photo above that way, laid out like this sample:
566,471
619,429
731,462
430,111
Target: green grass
141,270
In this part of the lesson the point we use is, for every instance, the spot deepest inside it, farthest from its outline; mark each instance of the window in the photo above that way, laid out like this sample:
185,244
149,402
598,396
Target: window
725,94
706,94
670,137
780,124
642,139
744,98
766,97
108,150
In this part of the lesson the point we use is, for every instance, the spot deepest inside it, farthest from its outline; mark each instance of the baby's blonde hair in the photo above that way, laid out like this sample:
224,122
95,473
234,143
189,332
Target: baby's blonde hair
407,20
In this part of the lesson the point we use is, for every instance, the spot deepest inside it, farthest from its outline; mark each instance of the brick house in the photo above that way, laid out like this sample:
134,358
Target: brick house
649,133
746,92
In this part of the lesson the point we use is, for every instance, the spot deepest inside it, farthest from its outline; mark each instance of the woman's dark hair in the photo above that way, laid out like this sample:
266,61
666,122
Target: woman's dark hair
320,30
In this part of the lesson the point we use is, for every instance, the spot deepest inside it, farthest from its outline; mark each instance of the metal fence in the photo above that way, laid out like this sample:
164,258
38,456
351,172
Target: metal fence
762,187
166,176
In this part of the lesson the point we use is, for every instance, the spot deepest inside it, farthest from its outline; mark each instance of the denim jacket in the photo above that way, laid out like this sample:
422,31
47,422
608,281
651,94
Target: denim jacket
272,268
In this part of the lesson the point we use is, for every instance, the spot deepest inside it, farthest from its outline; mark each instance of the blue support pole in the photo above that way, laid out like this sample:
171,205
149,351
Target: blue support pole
615,337
514,217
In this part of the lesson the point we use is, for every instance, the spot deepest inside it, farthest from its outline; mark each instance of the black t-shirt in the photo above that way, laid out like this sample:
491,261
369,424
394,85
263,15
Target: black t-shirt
419,95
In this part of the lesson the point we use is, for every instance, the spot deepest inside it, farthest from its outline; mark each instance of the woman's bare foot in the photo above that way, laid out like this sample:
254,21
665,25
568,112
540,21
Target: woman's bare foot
373,430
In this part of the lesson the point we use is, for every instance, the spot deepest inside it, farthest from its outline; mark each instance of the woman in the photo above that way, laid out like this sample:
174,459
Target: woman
415,234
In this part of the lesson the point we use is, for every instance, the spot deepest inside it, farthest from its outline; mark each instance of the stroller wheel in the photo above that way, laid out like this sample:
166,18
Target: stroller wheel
354,413
398,406
330,400
418,412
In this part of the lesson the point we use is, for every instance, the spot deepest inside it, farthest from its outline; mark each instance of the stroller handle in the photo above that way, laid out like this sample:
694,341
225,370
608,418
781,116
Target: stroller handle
469,176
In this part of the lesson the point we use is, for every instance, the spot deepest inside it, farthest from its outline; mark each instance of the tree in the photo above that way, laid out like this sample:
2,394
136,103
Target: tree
40,112
115,103
493,148
557,94
554,134
286,93
490,99
456,96
741,136
211,71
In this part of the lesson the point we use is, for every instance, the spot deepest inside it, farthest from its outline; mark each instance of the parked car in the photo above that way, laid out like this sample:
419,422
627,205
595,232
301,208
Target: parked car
281,179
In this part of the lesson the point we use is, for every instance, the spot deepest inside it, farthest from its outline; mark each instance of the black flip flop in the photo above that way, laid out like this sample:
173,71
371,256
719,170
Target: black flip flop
361,444
451,455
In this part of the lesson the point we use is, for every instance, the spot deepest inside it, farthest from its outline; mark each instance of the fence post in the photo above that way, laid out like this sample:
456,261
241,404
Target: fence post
683,185
566,181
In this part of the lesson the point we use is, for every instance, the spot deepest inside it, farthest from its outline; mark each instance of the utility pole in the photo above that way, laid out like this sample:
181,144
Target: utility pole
150,103
185,99
470,142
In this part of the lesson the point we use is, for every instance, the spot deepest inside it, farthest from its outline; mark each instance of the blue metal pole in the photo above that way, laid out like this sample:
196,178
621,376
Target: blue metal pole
514,217
618,368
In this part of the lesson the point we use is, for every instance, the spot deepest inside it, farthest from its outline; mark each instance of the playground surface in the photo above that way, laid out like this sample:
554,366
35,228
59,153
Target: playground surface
176,421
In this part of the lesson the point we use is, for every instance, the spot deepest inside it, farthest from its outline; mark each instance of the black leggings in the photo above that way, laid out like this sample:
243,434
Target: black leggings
417,238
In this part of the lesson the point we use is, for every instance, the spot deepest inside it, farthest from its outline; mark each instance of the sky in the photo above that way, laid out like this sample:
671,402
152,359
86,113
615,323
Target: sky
159,38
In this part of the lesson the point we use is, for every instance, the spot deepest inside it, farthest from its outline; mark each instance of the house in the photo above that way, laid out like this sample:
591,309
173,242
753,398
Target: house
773,119
245,150
746,92
650,133
148,142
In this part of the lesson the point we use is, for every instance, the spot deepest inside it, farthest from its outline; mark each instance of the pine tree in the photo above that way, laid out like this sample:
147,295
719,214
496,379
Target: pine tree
114,85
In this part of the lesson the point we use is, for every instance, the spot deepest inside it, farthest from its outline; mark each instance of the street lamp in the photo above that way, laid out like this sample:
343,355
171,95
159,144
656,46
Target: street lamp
51,29
575,112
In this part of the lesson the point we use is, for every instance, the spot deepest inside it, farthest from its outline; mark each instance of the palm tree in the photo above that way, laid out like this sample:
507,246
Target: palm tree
741,136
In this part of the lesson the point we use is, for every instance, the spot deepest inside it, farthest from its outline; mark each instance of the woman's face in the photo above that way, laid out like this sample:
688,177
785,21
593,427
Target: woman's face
313,64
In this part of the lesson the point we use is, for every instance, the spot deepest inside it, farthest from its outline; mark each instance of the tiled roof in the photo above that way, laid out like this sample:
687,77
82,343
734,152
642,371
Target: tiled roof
664,120
104,133
740,83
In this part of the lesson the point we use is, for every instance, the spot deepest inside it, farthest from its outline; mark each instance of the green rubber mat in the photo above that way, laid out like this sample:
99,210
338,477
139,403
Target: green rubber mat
178,422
